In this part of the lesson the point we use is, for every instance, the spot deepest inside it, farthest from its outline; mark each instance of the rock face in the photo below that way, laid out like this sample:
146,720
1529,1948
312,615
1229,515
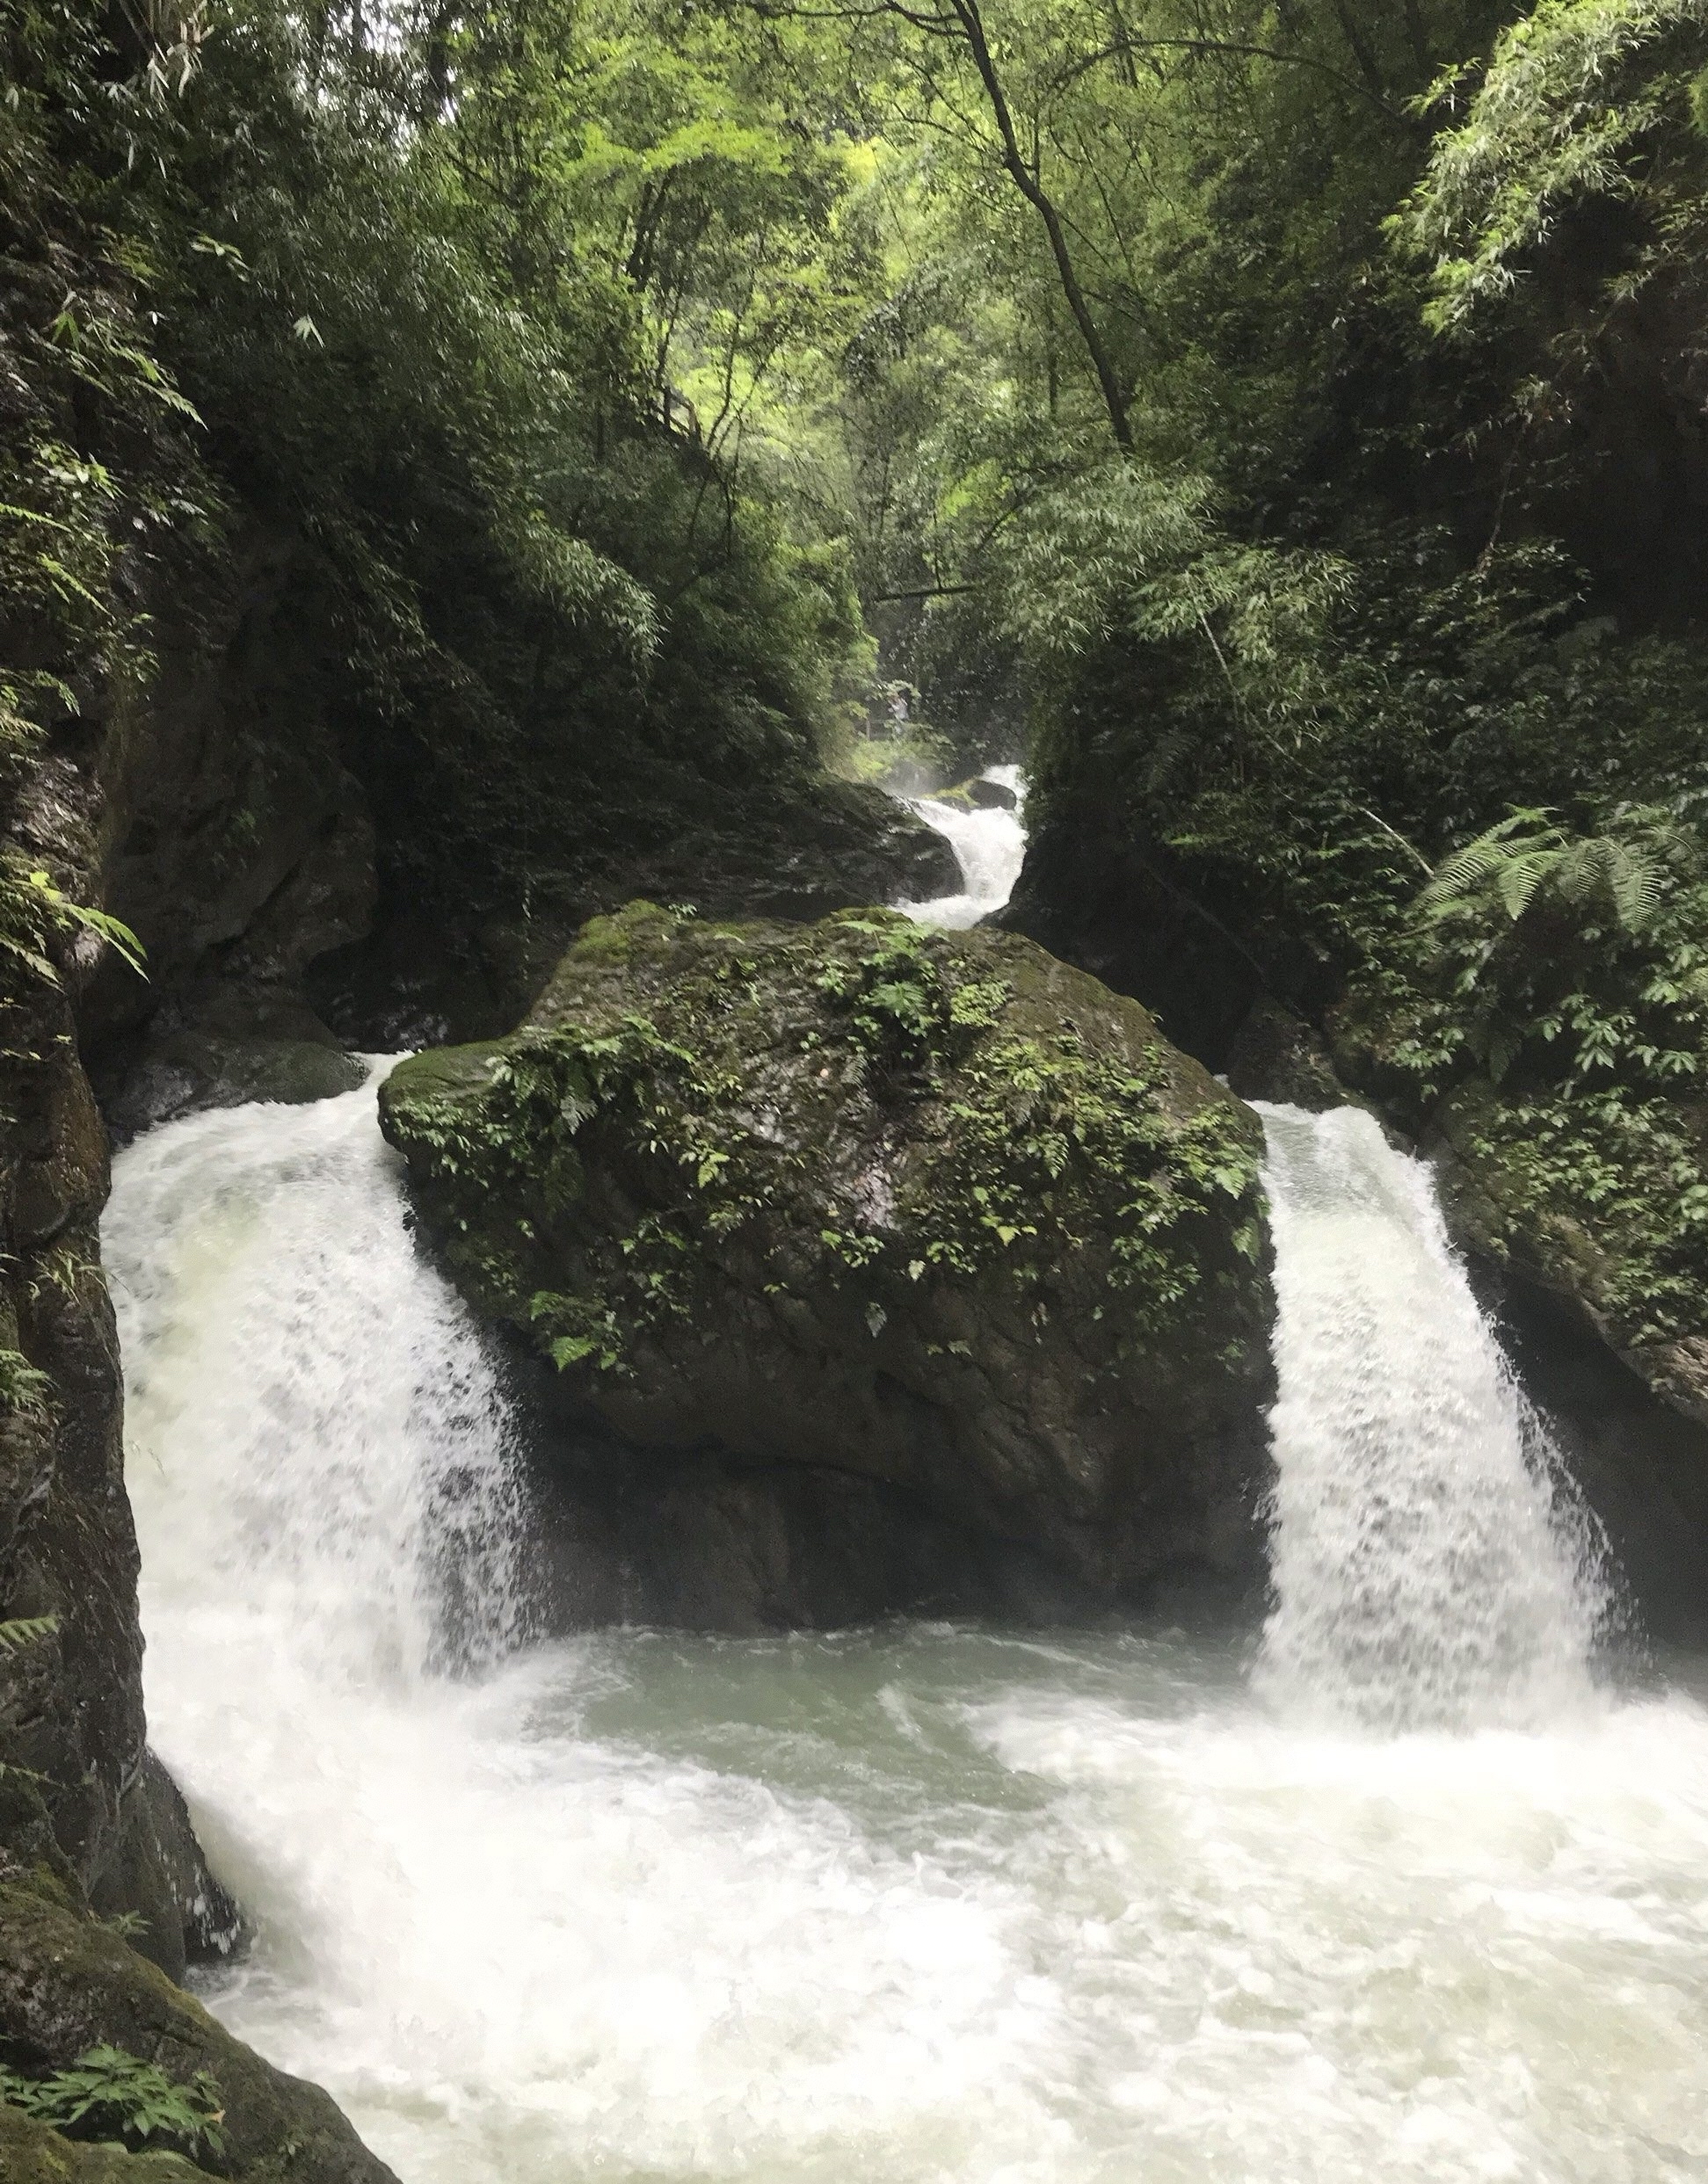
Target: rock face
68,1984
91,1827
927,1211
1097,891
71,1700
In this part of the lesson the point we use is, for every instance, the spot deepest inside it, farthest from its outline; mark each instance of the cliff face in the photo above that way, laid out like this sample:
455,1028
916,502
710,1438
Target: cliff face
91,1827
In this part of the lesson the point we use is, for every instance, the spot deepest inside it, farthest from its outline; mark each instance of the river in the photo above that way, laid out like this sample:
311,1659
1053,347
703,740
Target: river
1408,1886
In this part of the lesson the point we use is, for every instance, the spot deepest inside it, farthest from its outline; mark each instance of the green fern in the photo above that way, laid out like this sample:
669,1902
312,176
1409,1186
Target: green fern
1527,856
24,1387
25,1631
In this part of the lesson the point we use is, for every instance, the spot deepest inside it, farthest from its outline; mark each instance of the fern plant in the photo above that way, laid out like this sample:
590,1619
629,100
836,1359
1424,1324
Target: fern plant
25,1631
24,1387
1525,858
1581,951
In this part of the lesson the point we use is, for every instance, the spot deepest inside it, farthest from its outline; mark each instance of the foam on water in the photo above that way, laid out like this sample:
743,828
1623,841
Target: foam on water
990,847
919,1906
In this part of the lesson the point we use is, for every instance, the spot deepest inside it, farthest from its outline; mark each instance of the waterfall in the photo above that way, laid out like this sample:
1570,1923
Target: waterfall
990,847
916,1902
1428,1563
314,1430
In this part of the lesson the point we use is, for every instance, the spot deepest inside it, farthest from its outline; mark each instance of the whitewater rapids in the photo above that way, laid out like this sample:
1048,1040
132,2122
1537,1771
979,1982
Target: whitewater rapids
916,1907
990,847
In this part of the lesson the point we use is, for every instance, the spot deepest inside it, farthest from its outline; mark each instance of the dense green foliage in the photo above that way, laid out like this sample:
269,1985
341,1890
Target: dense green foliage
450,332
111,2096
1281,410
1322,442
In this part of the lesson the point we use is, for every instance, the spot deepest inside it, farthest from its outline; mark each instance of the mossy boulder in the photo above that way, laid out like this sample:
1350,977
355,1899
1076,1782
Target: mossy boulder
1594,1193
69,1983
32,2153
925,1208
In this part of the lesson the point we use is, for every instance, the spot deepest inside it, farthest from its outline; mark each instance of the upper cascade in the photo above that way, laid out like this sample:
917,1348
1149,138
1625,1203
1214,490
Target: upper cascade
1430,1563
990,847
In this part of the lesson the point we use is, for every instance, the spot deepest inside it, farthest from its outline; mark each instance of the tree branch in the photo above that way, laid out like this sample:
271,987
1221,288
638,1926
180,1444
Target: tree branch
1027,181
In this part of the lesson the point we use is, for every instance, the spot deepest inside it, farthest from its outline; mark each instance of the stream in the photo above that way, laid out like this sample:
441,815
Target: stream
1408,1887
990,847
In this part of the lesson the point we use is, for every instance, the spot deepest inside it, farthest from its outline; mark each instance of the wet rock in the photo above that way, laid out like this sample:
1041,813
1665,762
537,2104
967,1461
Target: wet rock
187,1070
69,1982
31,2153
1276,1055
986,795
1197,946
698,1540
1640,1464
83,1808
158,1881
976,793
929,1211
800,847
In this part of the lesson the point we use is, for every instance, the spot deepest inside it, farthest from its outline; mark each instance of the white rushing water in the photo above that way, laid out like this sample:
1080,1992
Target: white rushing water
912,1906
1428,1566
990,847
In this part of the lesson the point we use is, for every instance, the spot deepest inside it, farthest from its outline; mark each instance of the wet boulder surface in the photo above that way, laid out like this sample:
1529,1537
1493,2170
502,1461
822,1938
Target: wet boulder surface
70,1985
860,1209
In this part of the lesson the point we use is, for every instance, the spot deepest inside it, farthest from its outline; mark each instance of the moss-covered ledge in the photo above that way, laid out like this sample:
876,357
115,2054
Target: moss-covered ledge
1602,1203
70,1983
32,2153
929,1207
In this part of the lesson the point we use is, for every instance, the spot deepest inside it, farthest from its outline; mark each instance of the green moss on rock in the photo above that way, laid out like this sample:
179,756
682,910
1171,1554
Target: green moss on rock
32,2153
928,1204
68,1984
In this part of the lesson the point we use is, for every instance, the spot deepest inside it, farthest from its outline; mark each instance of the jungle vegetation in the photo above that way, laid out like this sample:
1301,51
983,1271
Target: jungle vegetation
1282,417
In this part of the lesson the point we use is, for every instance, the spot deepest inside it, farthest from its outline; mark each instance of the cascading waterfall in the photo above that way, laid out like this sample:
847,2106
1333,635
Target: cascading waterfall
921,1905
990,847
371,1503
1428,1563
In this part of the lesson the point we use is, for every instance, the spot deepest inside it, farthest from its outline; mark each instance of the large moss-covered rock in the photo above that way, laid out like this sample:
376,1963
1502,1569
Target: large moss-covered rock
925,1209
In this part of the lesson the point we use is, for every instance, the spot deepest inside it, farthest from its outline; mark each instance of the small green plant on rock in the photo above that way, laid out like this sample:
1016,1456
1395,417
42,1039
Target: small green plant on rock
109,2096
22,1386
25,1631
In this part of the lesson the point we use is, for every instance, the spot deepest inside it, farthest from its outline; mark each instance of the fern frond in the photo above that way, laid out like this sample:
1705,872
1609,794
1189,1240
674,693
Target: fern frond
1519,840
25,1631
